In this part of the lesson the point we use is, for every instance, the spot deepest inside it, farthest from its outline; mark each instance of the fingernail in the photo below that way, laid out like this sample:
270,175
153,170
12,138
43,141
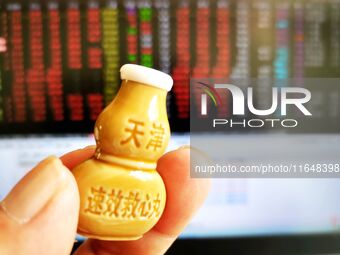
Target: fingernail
35,190
197,156
192,150
89,147
184,147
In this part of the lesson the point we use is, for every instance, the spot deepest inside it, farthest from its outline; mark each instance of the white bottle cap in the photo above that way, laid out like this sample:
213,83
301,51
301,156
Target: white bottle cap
147,76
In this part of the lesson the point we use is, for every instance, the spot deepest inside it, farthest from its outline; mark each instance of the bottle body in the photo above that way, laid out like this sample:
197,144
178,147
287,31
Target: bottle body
118,203
122,196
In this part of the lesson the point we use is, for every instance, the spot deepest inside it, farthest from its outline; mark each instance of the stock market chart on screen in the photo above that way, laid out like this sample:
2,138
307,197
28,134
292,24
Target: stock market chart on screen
62,61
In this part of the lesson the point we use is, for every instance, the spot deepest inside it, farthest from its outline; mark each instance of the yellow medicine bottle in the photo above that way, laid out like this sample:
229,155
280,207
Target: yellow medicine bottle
122,196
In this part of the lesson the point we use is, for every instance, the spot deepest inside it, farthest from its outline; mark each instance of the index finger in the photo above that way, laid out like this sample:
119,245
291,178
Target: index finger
74,158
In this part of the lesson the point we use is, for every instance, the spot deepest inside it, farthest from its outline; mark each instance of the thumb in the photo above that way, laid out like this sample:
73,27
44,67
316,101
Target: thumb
40,214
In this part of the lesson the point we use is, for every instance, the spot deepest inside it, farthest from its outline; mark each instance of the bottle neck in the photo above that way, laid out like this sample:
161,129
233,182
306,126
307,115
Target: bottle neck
131,90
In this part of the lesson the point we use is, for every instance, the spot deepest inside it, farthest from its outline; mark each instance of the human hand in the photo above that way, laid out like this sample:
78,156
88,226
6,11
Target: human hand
40,214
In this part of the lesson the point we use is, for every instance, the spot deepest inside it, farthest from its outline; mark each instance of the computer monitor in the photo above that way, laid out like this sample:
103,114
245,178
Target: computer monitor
61,67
